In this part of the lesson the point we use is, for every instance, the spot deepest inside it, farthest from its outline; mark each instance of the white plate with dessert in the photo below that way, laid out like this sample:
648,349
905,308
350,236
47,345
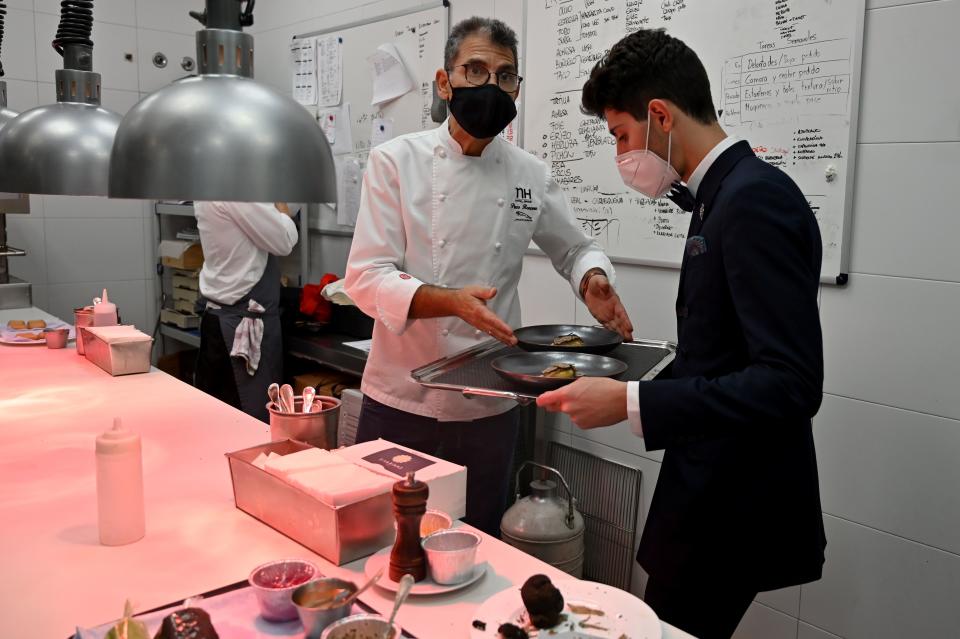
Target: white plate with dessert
569,609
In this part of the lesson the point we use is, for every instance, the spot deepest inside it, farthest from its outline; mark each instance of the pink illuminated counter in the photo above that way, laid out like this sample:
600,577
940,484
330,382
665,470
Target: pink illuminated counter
55,574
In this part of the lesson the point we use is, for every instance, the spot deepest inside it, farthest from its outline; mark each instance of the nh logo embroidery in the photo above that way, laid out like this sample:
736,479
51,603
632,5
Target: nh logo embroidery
523,194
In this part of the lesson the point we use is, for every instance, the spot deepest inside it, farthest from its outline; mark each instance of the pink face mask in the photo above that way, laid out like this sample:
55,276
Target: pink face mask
645,171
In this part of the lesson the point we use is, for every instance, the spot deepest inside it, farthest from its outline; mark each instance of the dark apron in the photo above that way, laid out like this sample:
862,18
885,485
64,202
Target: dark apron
226,377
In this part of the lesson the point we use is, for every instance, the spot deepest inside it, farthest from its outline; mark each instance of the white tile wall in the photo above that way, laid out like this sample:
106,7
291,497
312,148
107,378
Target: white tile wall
786,600
26,232
114,11
171,15
19,55
878,586
94,249
111,43
21,94
890,469
761,622
806,631
175,46
904,196
73,208
545,298
893,341
909,58
128,295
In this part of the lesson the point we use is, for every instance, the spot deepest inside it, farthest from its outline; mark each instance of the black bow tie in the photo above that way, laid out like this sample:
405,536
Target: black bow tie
681,196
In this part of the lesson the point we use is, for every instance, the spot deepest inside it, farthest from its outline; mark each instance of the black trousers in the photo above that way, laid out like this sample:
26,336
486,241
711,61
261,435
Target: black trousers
485,446
706,606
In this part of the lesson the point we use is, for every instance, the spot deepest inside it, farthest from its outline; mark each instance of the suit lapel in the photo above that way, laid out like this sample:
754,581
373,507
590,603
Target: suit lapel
706,194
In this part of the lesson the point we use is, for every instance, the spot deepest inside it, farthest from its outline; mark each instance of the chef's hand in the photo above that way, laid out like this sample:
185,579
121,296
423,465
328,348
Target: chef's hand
283,208
605,306
470,305
591,402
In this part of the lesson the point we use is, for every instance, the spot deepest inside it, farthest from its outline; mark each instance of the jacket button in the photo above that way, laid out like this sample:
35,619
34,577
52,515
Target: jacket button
442,197
500,202
445,332
478,332
498,246
442,153
442,243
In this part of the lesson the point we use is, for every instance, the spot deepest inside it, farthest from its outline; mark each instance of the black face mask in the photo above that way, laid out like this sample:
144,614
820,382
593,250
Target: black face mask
483,112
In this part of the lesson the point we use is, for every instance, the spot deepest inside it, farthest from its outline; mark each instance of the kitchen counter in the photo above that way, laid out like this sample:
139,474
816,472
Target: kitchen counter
56,575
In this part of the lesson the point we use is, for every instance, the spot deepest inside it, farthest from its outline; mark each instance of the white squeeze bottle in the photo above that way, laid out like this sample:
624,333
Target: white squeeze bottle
105,313
119,486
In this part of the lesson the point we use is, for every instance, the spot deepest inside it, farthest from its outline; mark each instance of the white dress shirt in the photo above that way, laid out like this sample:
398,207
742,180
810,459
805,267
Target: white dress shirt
236,239
633,388
431,215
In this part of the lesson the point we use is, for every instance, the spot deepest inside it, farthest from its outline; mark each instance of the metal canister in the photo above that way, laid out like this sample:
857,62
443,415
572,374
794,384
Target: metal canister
317,428
82,316
545,526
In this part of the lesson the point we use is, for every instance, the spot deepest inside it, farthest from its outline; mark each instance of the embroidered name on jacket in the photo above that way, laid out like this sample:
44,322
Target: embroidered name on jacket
522,206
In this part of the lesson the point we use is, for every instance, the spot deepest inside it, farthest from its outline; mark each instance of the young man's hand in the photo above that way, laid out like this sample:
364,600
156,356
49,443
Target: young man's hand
591,402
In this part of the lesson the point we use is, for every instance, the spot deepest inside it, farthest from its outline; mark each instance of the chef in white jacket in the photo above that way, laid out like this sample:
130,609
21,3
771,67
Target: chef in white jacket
241,349
445,218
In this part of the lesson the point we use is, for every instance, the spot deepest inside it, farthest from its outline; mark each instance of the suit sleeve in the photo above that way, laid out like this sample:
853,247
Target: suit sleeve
771,255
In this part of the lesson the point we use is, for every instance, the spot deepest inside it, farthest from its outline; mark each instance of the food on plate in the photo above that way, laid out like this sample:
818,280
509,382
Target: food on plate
562,370
570,339
543,601
33,336
16,325
36,324
189,623
579,609
510,631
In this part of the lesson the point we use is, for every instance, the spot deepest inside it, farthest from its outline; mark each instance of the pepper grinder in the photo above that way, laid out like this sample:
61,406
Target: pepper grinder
409,504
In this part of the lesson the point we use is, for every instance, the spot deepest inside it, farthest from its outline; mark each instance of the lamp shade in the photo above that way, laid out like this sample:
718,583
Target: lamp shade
61,148
221,137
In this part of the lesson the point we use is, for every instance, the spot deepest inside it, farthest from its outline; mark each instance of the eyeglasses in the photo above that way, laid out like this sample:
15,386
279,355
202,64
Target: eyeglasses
478,75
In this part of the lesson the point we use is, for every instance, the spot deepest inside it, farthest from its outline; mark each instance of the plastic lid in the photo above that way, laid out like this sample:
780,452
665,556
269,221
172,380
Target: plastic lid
117,440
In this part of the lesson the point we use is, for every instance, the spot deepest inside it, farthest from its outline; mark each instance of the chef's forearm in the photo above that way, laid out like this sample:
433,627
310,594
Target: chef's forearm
433,301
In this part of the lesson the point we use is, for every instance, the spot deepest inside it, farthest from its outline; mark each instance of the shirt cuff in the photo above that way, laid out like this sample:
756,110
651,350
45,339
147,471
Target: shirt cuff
633,408
592,261
394,296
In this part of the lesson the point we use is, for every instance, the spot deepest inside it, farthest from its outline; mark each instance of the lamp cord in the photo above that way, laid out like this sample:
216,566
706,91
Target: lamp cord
76,24
3,13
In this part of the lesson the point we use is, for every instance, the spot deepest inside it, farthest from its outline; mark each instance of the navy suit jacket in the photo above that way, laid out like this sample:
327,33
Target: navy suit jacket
738,490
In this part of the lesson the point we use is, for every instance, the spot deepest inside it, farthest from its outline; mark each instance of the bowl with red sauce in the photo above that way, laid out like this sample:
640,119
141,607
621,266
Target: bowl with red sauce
274,583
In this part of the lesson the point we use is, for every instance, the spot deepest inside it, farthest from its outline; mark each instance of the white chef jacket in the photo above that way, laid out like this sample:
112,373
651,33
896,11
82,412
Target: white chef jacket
236,239
431,215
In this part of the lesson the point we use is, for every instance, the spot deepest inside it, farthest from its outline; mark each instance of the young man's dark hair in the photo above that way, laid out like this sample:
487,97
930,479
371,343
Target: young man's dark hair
498,32
649,64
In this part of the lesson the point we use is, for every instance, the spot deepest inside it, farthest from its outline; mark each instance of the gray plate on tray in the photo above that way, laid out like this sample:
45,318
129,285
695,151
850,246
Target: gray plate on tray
540,338
527,368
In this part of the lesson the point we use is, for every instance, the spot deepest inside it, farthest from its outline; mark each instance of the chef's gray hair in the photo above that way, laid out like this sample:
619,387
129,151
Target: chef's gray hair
498,32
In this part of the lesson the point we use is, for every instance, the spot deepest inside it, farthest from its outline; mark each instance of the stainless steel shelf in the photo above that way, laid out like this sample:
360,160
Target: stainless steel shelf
167,208
9,251
180,335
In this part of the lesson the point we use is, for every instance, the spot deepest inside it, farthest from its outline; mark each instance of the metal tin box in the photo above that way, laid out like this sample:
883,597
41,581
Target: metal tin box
339,534
117,358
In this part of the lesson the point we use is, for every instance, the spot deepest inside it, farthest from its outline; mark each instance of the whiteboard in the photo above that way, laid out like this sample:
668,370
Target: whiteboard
419,35
785,76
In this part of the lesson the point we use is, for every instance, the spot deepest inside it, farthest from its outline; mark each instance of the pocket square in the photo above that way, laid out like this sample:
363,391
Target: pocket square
696,245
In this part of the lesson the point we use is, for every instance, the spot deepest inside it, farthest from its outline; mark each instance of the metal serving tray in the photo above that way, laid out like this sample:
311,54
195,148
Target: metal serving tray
469,372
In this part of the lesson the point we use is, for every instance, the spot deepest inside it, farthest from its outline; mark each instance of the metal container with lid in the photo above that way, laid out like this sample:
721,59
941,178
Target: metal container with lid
546,526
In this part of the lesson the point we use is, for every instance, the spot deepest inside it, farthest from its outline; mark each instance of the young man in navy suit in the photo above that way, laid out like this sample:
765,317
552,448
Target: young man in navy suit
736,509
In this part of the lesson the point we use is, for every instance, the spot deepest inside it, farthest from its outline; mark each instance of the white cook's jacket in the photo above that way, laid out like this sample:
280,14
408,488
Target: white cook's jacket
431,215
